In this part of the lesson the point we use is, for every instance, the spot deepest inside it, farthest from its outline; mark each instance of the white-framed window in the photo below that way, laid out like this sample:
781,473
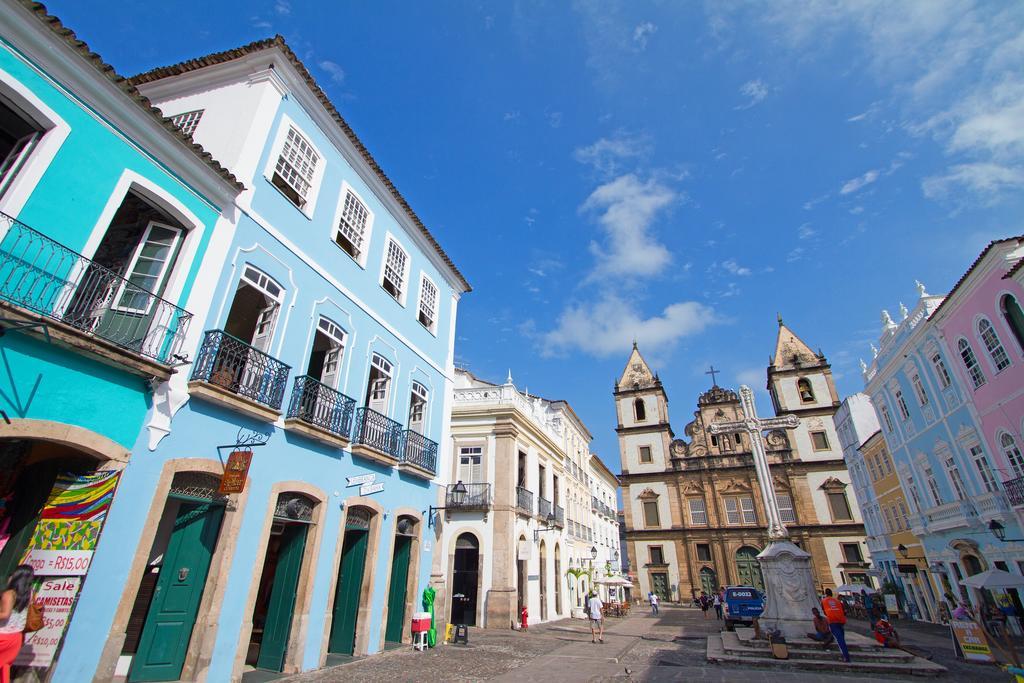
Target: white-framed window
353,224
992,344
941,371
886,417
904,515
19,135
394,274
418,407
328,349
1012,452
971,363
933,486
471,469
698,511
295,167
902,405
988,480
427,314
954,478
871,463
740,510
187,121
786,508
148,268
922,397
379,385
915,497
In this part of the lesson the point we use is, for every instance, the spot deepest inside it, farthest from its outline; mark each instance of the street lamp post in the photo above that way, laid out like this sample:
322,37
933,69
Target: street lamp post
999,531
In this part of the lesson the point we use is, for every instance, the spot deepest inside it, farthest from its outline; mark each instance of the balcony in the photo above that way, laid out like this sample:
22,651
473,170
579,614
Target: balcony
1015,491
233,373
992,504
476,497
96,310
543,508
953,515
320,412
594,503
524,500
559,516
377,437
419,455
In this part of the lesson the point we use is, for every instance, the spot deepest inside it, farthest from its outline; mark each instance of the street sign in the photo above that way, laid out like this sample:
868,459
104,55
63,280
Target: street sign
360,480
367,489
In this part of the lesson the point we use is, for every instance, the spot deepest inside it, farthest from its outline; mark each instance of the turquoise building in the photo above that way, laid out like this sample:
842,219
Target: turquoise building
325,361
107,212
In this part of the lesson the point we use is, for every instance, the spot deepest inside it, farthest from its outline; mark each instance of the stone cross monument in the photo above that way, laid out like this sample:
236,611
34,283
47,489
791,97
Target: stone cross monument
789,583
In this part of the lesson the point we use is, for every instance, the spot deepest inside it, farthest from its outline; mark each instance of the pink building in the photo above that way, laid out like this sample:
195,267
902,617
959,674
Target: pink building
981,322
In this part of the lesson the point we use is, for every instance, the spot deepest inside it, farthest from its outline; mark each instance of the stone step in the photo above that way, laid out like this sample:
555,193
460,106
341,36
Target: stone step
733,645
855,642
716,653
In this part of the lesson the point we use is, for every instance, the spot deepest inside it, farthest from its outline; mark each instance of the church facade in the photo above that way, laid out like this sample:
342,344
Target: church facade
694,515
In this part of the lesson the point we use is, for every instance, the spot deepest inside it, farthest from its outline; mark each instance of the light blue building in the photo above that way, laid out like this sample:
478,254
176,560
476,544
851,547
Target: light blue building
945,468
106,213
328,326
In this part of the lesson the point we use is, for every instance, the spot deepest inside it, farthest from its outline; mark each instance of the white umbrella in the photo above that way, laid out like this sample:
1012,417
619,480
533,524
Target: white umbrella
994,579
855,588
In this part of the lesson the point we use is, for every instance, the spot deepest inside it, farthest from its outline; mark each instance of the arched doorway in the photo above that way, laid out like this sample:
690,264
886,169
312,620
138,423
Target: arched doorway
351,573
543,582
465,574
273,612
522,555
167,601
748,569
708,580
558,581
398,587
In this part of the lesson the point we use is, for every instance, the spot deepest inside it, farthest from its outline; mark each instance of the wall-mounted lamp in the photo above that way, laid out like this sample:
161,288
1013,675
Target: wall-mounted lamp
999,531
902,550
550,521
457,496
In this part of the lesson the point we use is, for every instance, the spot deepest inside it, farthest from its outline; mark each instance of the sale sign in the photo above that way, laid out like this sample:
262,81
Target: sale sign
58,597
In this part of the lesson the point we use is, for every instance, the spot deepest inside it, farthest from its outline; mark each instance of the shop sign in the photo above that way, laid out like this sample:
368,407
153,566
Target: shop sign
970,641
367,489
59,562
235,472
57,596
360,480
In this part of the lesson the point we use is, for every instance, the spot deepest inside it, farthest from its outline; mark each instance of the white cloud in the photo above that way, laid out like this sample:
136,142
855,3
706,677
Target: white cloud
735,269
511,115
607,154
554,118
988,180
283,7
642,33
859,182
795,255
806,232
755,91
333,70
857,210
868,113
627,207
608,325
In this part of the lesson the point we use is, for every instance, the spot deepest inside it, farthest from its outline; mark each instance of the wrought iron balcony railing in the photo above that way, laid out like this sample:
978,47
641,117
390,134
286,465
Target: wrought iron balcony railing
476,497
1015,490
317,404
420,451
41,275
379,432
230,363
559,516
524,500
543,507
594,503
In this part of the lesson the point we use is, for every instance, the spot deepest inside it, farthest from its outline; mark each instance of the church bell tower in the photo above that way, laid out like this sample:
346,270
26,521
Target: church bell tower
641,408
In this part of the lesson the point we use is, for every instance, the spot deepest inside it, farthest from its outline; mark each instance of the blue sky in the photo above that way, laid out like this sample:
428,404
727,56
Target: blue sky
671,172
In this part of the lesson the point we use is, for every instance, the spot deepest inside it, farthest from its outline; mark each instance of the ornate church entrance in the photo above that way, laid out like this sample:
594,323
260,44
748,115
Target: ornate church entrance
748,569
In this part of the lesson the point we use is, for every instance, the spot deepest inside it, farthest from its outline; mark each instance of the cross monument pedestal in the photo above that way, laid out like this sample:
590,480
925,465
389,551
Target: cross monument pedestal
789,583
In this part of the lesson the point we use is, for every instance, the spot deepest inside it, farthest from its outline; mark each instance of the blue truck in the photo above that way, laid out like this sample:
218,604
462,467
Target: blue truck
743,604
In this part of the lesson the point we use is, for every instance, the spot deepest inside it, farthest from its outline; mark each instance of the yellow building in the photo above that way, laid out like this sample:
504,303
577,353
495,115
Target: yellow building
898,553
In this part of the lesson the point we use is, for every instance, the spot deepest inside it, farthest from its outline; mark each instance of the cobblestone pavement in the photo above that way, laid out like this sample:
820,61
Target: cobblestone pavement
670,647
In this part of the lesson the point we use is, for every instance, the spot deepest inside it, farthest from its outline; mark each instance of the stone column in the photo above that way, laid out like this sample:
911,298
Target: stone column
501,598
789,588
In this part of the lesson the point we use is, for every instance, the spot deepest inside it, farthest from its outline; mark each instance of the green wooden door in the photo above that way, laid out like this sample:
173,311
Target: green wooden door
281,608
399,588
748,569
346,596
172,612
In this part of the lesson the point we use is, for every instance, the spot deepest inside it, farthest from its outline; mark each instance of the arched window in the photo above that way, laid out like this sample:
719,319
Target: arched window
803,387
1012,452
971,363
995,347
639,410
1014,317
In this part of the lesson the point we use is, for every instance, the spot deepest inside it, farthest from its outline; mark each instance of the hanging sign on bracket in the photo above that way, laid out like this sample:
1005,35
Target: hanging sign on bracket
235,472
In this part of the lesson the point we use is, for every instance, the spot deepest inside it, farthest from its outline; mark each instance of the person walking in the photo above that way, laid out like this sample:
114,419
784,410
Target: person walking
14,603
596,609
836,615
705,604
717,602
654,602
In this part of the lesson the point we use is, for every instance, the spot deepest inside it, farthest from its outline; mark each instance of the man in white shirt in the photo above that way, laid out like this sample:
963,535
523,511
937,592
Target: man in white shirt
595,608
654,602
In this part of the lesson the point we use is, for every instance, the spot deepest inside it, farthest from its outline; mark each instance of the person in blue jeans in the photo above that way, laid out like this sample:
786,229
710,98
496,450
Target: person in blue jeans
653,597
836,616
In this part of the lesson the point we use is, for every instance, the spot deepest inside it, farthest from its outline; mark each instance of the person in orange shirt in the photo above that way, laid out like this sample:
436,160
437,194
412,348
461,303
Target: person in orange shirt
836,615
